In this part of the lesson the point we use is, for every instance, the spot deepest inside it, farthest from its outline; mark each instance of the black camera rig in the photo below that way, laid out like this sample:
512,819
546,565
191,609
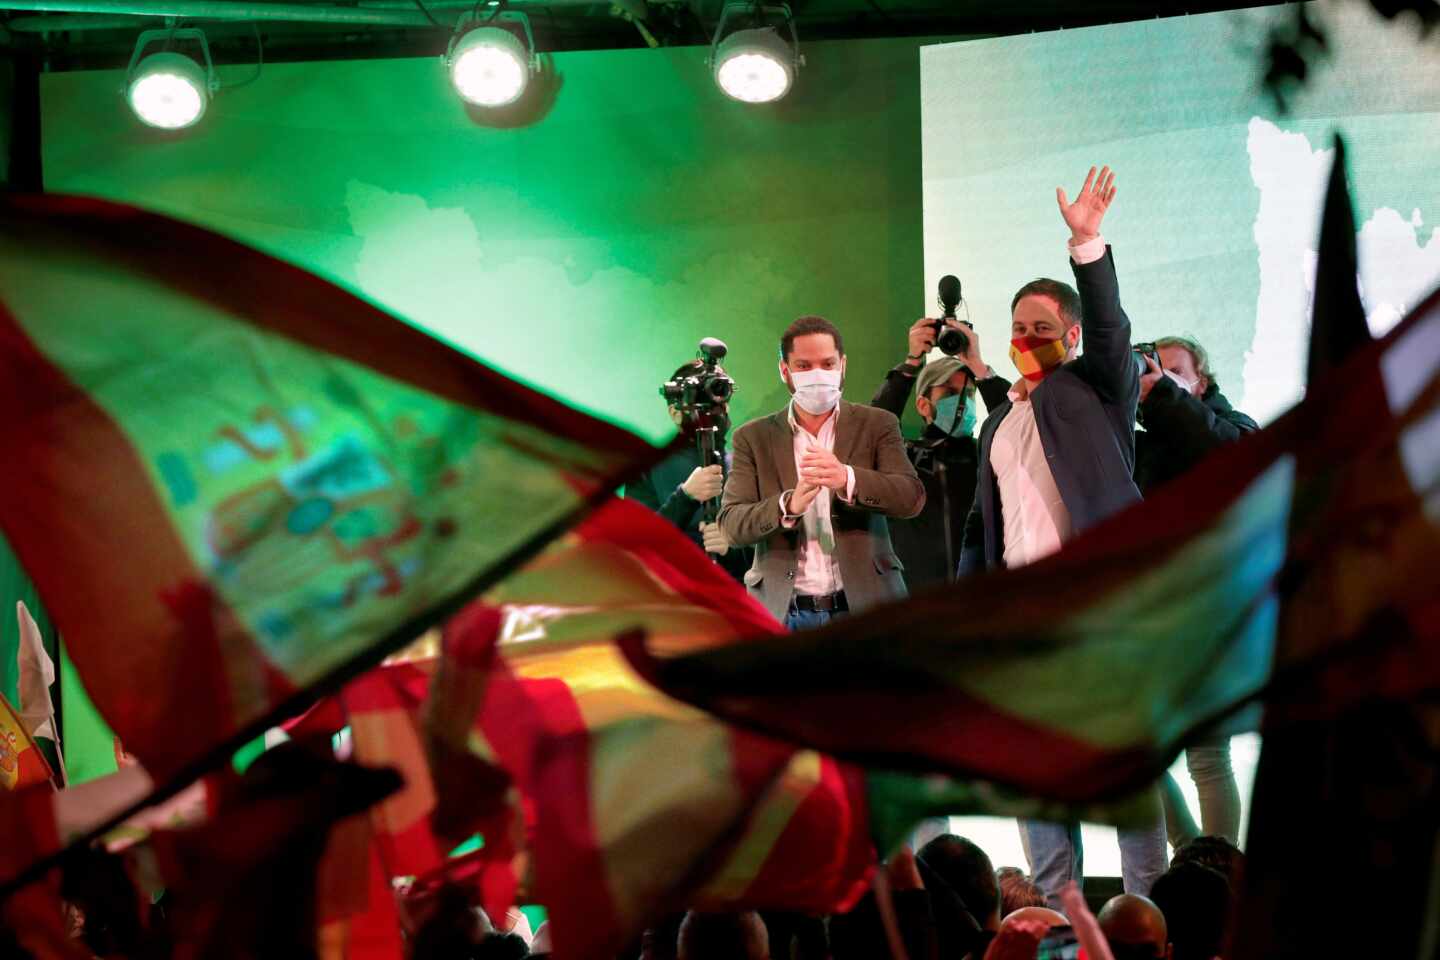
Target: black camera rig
703,398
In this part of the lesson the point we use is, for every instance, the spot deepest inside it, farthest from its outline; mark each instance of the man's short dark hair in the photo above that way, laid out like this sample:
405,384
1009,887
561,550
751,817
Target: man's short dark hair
967,871
1217,853
1063,294
723,936
1135,951
859,933
501,946
661,940
808,325
1197,906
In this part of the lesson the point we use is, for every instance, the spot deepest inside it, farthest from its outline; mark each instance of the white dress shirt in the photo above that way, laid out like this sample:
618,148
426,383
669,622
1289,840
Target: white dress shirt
1036,520
816,573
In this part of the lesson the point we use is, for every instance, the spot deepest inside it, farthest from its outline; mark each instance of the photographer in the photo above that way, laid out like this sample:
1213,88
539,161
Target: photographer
1184,414
945,454
678,487
1185,417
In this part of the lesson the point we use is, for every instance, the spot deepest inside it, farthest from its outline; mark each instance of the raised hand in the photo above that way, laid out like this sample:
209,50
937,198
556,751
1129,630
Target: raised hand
1148,380
1017,940
904,874
921,338
1084,215
1087,928
979,370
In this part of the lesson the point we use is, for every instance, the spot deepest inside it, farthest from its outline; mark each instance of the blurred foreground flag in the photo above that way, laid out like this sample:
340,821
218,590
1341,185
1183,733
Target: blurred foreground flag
636,803
230,479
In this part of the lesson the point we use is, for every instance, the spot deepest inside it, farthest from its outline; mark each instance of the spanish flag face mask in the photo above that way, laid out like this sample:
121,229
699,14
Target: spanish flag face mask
1035,357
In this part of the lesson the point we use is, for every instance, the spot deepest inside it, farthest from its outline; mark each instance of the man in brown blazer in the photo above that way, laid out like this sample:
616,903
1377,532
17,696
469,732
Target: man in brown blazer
811,485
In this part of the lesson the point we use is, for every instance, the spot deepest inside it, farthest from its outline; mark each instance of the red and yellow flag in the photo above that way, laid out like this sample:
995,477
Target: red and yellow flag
570,765
230,479
636,802
21,762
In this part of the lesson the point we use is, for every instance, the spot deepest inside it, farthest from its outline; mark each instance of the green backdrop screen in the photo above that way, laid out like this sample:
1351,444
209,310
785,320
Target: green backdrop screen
586,252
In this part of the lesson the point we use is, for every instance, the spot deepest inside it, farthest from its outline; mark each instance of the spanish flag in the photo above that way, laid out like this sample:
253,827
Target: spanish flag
21,762
230,479
632,801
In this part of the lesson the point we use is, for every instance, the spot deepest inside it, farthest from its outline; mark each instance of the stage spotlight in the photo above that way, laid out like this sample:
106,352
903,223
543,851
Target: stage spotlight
755,63
169,90
490,65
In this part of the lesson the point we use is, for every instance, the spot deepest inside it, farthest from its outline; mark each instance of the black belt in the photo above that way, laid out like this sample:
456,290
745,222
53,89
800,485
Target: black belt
828,603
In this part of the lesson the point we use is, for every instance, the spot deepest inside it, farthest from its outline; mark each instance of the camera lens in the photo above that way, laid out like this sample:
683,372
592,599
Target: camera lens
952,342
719,389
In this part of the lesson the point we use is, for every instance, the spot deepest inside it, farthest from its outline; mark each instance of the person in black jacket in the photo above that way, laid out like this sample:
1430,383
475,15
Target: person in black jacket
944,455
677,488
1185,417
1184,414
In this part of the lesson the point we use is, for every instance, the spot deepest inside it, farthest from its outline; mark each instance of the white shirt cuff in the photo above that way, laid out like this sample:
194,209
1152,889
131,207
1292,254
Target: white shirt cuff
1089,251
849,495
785,520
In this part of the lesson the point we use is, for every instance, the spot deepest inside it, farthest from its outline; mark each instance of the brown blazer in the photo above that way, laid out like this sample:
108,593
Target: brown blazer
763,467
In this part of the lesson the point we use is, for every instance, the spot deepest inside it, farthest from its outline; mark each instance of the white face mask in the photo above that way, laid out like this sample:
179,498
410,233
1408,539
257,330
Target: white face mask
816,391
1187,385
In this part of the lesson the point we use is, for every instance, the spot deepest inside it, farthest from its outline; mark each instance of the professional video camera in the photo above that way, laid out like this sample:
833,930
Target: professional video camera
951,342
706,388
702,397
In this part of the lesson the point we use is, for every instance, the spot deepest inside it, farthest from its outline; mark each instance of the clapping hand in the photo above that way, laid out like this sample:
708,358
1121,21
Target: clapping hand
801,498
820,467
1084,215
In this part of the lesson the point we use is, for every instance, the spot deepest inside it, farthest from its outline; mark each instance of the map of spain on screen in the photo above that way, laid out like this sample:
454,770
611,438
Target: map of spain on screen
1399,257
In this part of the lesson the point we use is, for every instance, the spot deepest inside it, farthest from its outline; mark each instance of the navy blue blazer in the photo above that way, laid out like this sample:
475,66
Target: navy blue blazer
1085,412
